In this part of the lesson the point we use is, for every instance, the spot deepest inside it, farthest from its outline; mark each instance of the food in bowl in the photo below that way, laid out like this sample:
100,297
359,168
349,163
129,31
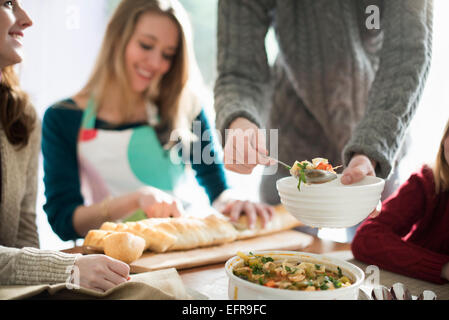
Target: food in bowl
242,289
287,274
299,167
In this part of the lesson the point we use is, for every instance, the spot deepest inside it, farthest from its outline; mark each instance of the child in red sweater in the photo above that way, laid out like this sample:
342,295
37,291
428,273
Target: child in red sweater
411,234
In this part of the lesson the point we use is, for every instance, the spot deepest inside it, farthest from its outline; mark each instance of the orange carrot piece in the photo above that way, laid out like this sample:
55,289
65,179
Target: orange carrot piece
270,284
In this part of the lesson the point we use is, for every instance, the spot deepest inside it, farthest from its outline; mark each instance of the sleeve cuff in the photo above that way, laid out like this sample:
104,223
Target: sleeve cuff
379,138
35,266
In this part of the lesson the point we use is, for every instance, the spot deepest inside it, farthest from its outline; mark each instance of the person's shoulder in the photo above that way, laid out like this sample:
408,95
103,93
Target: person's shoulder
66,108
424,173
424,177
65,105
62,116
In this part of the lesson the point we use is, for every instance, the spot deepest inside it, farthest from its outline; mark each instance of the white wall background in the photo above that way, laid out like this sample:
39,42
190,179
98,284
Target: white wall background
62,45
60,50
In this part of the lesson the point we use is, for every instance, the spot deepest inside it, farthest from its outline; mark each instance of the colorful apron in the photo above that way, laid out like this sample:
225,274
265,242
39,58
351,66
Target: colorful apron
115,163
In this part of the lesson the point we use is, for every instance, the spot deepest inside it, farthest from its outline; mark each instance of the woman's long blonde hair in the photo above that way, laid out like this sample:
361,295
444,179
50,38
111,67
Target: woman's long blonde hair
110,66
441,167
17,116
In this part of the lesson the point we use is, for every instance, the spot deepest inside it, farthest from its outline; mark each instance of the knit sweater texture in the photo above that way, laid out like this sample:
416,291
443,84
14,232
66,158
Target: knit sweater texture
337,88
411,235
21,263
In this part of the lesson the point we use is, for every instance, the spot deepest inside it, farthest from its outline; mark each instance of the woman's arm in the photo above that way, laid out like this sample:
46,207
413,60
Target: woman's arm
86,218
243,70
30,266
61,173
67,214
210,172
27,235
69,217
380,241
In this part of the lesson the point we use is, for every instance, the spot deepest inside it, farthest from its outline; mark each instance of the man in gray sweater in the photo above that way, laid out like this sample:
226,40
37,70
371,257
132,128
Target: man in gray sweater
340,88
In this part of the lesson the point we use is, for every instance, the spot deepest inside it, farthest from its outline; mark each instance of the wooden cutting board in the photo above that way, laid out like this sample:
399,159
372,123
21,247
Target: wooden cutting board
285,240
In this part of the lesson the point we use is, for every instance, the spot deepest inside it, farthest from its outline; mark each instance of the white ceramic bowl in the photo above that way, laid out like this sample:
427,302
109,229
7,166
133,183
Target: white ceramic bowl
332,204
239,289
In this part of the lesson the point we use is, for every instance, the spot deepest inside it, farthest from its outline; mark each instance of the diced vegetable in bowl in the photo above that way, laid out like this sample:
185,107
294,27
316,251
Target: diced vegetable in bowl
287,274
291,275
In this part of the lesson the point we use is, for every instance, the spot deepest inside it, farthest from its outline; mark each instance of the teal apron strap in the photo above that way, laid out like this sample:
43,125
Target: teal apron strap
89,115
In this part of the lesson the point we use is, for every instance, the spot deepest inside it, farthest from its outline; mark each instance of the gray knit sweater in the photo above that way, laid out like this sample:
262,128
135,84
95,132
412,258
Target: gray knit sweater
20,262
336,88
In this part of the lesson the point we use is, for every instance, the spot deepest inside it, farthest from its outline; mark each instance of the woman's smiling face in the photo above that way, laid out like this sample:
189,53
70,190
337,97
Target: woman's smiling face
13,21
151,49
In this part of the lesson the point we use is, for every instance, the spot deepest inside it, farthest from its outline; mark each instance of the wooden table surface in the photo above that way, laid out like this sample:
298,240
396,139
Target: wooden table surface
213,282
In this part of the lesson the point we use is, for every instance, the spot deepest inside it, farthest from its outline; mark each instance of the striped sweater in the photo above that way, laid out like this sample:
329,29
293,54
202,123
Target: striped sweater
336,88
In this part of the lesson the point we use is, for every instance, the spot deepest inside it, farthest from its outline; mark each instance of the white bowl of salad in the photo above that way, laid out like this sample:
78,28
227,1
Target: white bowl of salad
290,275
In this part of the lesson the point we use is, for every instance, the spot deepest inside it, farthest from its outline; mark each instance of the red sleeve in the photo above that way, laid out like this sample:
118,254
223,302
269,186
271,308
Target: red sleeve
379,241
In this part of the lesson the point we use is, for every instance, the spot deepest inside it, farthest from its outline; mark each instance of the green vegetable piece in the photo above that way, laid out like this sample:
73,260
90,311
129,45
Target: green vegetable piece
340,274
302,175
303,284
324,287
266,259
257,269
337,284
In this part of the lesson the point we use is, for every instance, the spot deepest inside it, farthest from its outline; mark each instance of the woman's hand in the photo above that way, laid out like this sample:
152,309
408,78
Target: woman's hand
235,208
358,168
99,272
159,204
245,147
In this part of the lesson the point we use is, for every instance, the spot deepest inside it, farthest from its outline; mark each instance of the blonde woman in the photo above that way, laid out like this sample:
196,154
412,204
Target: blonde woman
108,149
21,262
411,234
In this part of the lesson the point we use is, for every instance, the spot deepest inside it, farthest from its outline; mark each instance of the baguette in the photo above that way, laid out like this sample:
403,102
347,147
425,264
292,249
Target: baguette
95,239
184,233
156,239
192,233
281,221
123,246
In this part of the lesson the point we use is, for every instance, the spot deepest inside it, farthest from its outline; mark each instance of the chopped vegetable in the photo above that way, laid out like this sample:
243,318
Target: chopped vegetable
298,168
270,284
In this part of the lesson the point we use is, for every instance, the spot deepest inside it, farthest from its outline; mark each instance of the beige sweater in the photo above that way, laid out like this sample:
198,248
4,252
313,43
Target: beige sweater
20,262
